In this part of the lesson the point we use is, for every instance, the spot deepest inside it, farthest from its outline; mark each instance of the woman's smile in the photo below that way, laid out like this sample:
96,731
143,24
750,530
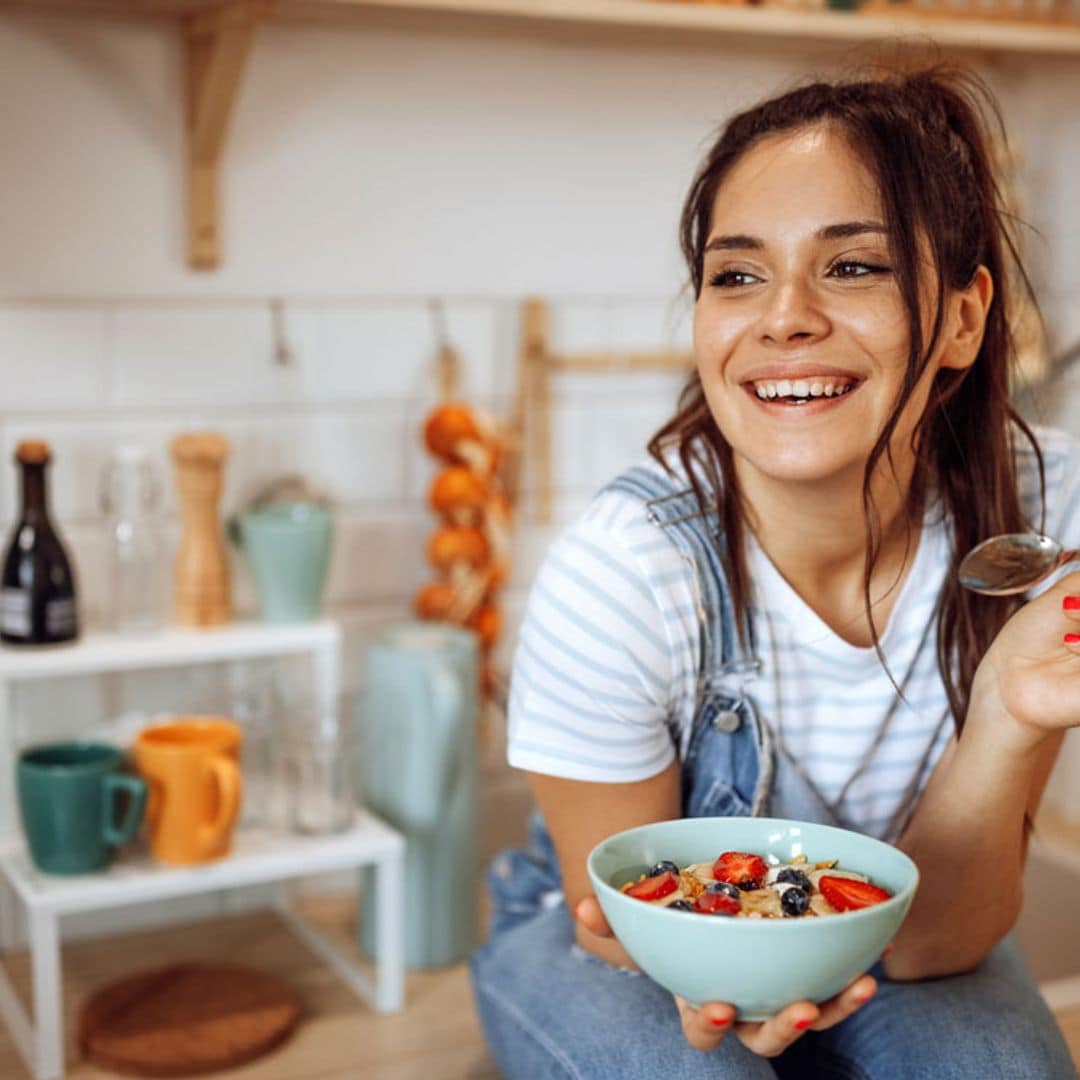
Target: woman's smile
809,389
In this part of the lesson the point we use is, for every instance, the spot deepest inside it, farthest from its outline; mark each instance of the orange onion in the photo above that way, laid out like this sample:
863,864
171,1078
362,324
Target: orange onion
452,544
455,490
447,425
434,601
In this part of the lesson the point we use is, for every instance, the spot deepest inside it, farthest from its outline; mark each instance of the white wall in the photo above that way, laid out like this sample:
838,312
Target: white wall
370,169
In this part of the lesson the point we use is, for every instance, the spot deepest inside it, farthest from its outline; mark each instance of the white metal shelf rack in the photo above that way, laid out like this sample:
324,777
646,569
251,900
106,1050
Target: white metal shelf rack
258,857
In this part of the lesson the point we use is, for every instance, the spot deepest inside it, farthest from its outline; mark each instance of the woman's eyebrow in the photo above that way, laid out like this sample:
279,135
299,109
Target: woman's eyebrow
736,242
851,228
841,231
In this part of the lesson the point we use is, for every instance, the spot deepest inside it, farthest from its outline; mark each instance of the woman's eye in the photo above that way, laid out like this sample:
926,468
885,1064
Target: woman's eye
732,279
852,268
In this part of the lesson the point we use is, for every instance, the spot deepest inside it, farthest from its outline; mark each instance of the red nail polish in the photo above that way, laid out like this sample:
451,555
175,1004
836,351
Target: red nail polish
1072,639
721,1021
862,999
1071,603
802,1025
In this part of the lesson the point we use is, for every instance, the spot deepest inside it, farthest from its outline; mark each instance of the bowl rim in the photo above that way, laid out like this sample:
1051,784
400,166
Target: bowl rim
902,897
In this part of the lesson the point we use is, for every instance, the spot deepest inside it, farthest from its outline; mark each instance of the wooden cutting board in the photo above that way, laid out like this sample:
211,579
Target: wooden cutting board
186,1019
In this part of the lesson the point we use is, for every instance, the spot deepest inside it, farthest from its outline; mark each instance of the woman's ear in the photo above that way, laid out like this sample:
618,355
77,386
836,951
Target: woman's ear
968,308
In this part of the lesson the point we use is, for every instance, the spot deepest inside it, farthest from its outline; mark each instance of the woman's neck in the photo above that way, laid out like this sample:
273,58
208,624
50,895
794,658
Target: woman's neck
815,536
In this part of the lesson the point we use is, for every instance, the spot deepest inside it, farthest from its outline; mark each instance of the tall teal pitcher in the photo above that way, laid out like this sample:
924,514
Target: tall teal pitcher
418,772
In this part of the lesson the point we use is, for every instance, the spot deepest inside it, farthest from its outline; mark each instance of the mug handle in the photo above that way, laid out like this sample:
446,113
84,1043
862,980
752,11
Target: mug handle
226,775
136,789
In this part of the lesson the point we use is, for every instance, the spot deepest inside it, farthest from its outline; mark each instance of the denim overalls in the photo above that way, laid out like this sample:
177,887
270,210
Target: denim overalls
548,1008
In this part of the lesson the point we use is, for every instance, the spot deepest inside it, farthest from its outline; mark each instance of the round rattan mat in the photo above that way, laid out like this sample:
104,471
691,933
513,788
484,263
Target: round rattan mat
186,1019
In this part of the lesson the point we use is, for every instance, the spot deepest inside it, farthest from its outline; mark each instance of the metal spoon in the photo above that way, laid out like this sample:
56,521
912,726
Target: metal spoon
1011,563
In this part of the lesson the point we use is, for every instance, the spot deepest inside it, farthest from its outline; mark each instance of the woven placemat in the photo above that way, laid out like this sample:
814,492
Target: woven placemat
186,1019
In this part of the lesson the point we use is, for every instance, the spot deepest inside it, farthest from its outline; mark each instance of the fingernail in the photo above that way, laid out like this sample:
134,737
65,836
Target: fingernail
1071,603
719,1021
1072,639
862,999
802,1025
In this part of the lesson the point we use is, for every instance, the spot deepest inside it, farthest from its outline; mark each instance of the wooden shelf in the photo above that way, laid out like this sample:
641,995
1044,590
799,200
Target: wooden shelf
994,35
218,35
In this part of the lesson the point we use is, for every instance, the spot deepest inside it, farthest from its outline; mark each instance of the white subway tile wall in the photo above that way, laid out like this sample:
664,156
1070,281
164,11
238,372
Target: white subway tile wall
58,362
345,411
174,357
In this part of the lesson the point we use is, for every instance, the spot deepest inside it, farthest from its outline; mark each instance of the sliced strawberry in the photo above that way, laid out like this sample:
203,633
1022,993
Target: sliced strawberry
653,888
847,894
739,869
716,903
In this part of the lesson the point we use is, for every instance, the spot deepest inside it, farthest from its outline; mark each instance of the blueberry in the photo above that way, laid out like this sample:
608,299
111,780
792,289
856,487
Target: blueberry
663,868
794,877
680,905
795,901
724,887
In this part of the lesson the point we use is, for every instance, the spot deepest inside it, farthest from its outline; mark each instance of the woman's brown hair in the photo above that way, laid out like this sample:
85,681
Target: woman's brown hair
925,138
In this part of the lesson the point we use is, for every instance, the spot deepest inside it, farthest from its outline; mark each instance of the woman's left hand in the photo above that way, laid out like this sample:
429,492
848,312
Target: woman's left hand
1030,675
706,1027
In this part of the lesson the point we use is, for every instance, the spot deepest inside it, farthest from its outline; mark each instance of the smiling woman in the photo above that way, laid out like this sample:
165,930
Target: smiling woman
764,617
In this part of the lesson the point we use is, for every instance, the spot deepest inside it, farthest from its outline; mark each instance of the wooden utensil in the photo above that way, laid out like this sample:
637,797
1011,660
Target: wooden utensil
201,586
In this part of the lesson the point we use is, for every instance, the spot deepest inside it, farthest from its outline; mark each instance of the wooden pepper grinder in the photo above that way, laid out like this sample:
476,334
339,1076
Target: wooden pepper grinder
201,586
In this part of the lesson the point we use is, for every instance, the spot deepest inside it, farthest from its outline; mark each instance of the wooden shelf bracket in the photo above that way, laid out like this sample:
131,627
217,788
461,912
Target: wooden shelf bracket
216,45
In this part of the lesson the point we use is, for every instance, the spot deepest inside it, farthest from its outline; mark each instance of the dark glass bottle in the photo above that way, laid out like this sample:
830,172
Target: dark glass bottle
37,598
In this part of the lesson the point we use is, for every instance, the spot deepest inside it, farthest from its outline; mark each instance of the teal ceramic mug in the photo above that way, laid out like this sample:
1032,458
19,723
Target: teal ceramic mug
287,546
72,804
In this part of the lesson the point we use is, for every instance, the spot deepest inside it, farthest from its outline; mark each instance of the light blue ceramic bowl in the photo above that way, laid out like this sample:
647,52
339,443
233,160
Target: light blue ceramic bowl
757,965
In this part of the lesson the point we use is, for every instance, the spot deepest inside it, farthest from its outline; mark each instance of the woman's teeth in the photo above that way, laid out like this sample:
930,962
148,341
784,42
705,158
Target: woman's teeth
801,389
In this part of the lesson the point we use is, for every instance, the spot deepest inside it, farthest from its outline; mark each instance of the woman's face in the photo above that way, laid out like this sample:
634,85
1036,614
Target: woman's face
800,332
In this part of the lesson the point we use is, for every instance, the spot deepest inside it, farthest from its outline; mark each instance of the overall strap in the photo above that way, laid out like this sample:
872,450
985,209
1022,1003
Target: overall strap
726,664
700,541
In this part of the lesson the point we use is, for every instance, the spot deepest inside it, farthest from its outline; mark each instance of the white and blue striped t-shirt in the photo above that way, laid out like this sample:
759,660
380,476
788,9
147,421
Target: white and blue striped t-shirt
610,648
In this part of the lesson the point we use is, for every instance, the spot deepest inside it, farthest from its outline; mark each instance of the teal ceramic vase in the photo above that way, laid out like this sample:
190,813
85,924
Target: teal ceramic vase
417,720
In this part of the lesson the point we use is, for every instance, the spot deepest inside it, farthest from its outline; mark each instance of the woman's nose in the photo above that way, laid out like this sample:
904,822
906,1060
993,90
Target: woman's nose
792,314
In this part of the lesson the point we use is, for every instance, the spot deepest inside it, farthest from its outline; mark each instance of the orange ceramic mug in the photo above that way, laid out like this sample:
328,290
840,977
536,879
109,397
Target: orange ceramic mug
192,767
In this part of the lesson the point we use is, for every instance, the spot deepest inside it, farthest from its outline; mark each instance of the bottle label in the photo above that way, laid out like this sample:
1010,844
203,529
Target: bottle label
60,618
15,615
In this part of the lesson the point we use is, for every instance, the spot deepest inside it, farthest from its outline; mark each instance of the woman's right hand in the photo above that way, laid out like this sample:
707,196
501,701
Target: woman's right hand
705,1028
1028,683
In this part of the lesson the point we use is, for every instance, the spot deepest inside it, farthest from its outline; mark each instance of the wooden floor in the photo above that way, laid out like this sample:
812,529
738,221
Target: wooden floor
435,1038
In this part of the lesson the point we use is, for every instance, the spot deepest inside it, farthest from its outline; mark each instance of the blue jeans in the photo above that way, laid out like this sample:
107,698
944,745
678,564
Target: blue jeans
550,1010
